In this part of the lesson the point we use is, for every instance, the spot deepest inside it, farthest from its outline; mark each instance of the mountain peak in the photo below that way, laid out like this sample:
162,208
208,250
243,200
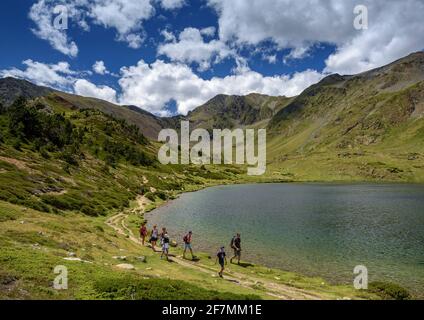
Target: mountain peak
13,88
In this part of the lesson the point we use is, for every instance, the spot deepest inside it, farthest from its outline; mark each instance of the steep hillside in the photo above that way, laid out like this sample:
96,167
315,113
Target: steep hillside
225,111
149,124
11,89
55,158
364,127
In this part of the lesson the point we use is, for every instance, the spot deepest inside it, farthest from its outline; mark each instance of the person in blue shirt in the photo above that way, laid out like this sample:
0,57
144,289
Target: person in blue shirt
221,257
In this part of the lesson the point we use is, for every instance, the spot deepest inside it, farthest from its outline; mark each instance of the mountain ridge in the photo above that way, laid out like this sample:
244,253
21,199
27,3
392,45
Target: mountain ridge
342,115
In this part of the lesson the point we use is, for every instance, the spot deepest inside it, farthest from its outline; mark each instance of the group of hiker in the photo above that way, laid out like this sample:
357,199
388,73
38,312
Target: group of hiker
164,239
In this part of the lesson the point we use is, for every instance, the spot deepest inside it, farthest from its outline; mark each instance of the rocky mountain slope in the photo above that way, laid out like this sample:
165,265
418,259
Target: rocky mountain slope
11,89
368,126
224,111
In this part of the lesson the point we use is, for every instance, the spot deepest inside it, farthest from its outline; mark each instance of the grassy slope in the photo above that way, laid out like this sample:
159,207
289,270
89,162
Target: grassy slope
33,243
225,111
333,135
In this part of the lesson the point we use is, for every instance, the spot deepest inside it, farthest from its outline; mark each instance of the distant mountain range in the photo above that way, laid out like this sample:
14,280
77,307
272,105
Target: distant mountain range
222,111
368,126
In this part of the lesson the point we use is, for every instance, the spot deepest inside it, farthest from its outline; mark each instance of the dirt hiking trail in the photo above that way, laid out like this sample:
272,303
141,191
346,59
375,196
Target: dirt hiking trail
275,290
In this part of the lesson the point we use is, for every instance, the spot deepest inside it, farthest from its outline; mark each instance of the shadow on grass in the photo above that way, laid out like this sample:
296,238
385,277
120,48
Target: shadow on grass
245,264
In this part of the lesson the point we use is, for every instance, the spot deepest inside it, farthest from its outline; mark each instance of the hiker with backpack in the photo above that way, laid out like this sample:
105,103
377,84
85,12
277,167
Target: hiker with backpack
162,235
165,245
154,237
236,246
187,244
221,257
143,233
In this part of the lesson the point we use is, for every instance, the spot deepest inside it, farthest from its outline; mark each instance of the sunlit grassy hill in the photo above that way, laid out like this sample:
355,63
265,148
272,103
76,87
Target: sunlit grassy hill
367,127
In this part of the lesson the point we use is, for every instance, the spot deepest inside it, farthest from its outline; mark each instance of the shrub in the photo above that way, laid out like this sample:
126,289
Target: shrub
69,155
162,195
150,196
36,205
99,228
31,124
159,289
89,211
61,203
389,291
44,153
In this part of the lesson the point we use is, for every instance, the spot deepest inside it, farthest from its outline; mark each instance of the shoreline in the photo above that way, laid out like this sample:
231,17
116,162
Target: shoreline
335,282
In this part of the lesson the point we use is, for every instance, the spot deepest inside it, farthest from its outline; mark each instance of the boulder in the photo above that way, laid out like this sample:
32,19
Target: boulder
142,259
125,266
123,258
72,259
76,259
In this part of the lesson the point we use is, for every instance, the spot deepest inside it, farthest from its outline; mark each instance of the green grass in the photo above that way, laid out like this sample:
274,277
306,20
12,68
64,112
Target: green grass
33,243
131,288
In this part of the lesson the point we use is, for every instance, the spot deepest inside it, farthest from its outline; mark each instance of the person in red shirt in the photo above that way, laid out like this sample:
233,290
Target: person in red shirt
143,233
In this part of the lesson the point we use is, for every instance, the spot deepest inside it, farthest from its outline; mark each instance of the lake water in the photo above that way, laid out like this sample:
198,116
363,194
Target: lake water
312,229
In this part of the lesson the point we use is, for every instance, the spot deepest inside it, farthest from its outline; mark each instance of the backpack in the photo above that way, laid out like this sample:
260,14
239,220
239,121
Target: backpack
232,243
185,239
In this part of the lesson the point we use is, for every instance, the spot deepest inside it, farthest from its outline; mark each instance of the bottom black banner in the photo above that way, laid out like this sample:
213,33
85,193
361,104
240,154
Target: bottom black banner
204,309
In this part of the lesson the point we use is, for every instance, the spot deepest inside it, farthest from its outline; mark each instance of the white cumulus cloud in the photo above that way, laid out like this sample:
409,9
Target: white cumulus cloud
100,68
172,4
395,28
60,76
57,75
42,14
190,47
153,86
86,88
125,16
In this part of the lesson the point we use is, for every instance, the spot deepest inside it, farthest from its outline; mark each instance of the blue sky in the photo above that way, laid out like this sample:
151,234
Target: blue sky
169,56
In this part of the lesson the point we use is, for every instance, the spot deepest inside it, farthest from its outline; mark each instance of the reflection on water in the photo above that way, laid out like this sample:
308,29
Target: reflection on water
314,229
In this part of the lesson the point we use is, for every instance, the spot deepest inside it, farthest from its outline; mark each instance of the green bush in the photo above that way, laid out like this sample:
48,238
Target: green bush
89,211
116,150
70,155
389,291
44,153
150,196
30,123
162,195
36,205
61,203
159,289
